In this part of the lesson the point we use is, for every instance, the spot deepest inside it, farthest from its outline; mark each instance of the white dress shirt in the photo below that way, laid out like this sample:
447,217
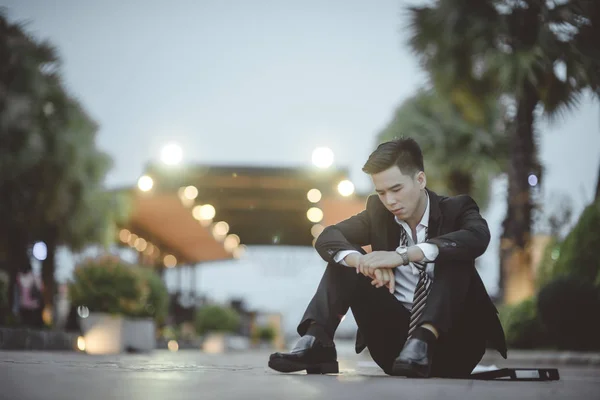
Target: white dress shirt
407,276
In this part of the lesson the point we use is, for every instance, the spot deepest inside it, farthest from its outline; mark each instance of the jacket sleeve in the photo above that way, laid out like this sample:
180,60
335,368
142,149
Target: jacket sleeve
350,234
471,238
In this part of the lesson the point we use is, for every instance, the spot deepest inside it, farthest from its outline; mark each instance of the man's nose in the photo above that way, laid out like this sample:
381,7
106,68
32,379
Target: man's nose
389,199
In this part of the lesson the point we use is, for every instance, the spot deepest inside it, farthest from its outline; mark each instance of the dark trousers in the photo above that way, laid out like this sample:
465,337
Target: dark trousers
383,321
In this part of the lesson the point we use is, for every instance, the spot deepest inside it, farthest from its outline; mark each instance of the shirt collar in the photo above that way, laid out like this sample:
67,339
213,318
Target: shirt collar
424,220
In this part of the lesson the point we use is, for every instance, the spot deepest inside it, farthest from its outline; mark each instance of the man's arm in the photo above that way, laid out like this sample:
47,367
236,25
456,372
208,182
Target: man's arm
349,234
469,241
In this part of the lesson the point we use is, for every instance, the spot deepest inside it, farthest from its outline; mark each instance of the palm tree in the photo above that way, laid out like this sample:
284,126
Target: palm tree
51,172
462,157
536,55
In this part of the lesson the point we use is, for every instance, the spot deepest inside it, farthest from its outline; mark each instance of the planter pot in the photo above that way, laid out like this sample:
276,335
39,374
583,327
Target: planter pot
140,334
103,333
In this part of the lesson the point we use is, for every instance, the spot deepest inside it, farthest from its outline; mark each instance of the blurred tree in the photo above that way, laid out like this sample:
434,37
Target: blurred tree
51,172
24,71
70,176
462,157
534,54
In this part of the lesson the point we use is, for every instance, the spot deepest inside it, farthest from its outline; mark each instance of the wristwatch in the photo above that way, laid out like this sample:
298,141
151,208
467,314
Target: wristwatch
403,251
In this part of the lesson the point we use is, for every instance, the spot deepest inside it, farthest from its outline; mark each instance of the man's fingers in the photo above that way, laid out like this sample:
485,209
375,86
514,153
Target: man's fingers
378,274
392,284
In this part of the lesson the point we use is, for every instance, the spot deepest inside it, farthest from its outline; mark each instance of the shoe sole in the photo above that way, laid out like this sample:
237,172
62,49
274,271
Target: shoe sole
283,365
410,370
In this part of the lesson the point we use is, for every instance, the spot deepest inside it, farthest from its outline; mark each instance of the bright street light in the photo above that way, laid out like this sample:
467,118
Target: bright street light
145,183
171,154
322,157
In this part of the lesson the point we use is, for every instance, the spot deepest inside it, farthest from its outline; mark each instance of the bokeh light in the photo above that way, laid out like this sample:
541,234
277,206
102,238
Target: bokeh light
532,180
40,251
170,261
171,154
83,311
190,192
314,214
173,345
322,157
81,343
231,242
314,195
204,212
220,230
345,188
145,183
124,235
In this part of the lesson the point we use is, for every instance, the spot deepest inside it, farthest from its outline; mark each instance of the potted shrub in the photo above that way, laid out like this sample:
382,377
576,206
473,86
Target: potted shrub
214,322
140,326
107,289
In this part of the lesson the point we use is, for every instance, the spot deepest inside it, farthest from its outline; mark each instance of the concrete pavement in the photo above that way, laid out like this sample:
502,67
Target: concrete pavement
192,374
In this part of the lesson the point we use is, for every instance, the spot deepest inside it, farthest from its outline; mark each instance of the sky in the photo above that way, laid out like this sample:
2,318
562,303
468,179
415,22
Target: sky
264,83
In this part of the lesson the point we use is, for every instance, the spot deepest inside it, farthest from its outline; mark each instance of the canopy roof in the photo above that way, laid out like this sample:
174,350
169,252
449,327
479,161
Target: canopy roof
261,205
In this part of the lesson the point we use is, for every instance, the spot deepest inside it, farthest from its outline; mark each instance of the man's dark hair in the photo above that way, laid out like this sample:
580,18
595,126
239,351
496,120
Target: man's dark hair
403,152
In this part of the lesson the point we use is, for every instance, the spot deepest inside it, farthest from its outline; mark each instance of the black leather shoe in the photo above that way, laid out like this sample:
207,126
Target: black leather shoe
308,354
414,360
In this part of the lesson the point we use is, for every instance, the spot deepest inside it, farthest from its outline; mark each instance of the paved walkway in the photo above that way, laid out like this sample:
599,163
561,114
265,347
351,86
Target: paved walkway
194,375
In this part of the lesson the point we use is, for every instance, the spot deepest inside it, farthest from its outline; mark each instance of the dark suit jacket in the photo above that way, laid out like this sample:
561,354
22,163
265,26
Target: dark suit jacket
455,226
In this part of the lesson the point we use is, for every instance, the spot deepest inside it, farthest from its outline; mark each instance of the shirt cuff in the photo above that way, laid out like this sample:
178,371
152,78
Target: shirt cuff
430,251
340,255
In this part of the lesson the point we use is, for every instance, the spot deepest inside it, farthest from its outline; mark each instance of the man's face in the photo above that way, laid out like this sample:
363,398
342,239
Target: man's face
398,192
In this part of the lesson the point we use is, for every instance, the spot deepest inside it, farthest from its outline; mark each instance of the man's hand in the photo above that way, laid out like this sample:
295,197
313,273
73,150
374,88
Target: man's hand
381,275
385,277
369,263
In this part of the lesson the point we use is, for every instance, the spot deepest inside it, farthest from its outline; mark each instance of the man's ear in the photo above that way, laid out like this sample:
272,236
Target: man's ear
422,179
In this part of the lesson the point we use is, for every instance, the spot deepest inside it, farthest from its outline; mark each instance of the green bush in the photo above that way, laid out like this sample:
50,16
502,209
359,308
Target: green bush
546,267
216,318
157,303
266,333
108,284
522,325
569,309
579,251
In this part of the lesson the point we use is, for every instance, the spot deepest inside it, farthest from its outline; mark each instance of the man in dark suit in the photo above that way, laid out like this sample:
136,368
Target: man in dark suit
419,303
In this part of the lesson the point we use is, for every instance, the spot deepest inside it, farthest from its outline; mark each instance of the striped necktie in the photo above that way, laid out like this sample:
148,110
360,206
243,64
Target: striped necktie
422,289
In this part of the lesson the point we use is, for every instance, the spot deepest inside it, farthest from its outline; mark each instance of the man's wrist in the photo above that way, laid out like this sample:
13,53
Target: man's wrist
351,259
415,254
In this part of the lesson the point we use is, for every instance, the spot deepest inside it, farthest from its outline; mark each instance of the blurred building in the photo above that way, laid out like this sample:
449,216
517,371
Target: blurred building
185,218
